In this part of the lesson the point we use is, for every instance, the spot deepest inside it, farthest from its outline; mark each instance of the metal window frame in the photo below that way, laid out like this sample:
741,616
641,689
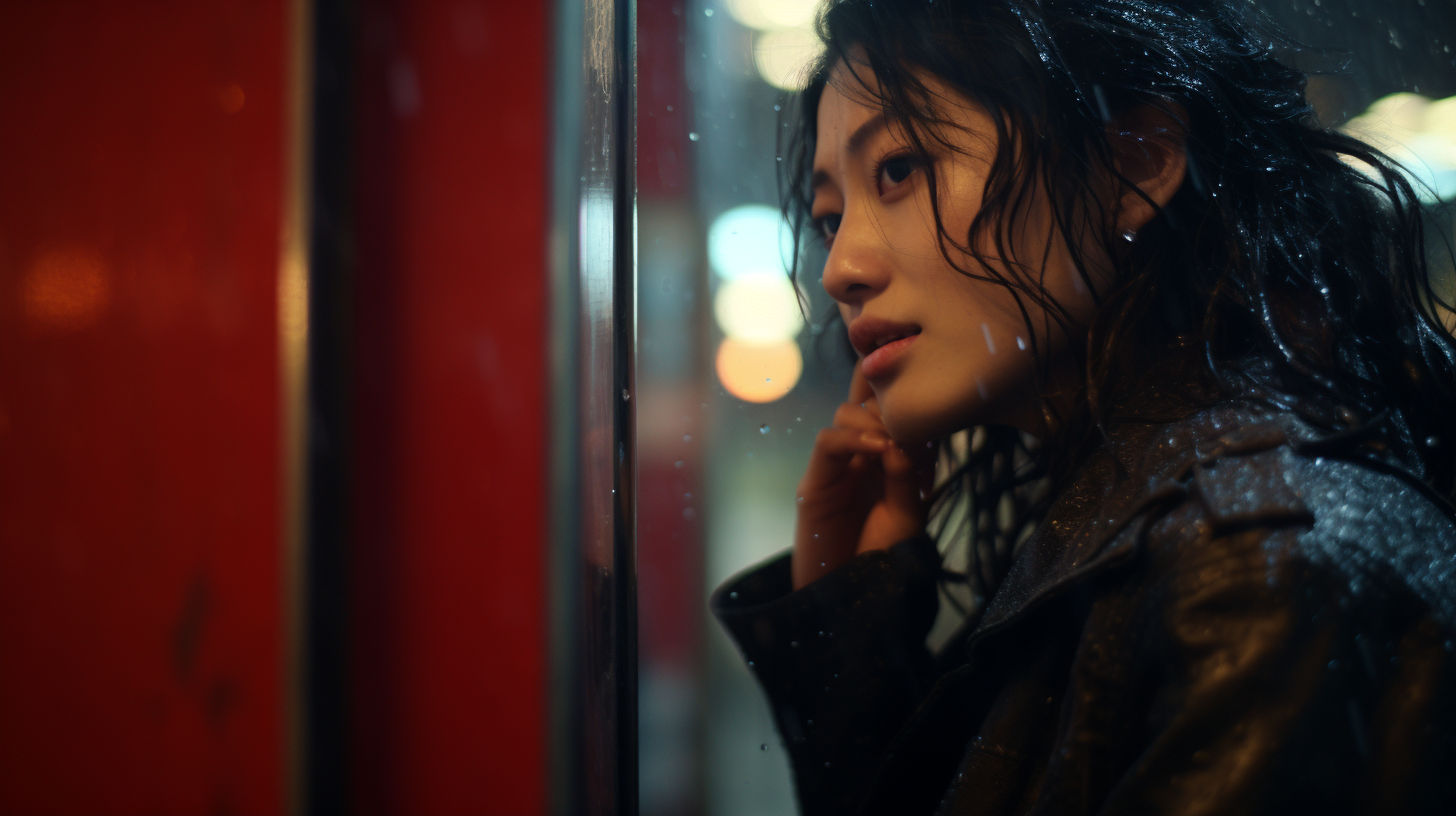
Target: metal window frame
593,697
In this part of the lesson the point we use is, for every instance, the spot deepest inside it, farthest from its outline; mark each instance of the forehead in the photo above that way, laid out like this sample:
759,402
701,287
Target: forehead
851,103
849,100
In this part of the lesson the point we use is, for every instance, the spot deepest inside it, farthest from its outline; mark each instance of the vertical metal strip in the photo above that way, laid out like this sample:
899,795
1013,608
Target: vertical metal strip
293,327
624,357
593,569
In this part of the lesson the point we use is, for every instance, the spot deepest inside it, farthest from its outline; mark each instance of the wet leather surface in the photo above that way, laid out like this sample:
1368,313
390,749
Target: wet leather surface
1212,619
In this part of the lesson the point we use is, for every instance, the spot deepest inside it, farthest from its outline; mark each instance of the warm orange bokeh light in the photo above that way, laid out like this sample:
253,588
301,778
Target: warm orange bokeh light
756,372
65,288
231,98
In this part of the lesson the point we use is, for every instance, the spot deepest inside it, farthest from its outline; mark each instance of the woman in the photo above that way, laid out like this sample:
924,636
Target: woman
1206,513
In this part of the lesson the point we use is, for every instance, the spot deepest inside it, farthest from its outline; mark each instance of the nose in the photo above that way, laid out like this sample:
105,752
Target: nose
855,270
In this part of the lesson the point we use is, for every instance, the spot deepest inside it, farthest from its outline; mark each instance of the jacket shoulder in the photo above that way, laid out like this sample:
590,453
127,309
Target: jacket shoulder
1366,521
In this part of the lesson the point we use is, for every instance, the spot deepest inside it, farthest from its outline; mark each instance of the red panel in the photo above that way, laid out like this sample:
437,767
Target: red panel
449,414
141,150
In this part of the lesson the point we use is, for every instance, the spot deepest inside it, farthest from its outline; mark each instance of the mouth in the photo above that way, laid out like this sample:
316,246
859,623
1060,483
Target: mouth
869,334
880,344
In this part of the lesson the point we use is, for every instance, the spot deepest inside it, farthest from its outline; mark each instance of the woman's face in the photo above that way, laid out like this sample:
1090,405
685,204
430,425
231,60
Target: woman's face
943,351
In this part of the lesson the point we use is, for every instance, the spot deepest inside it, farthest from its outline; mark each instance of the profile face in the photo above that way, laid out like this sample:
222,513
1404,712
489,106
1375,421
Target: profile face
942,350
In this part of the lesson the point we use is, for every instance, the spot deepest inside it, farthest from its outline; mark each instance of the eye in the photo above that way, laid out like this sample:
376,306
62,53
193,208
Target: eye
827,225
894,171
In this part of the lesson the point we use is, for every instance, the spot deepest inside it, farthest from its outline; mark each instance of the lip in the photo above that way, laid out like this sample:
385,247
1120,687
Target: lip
880,343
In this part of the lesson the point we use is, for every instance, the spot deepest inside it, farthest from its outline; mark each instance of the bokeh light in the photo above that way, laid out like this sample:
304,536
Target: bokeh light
759,372
65,288
760,307
769,14
783,56
1417,132
747,239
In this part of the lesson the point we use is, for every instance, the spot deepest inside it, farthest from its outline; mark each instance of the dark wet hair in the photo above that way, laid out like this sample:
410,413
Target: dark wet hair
1280,270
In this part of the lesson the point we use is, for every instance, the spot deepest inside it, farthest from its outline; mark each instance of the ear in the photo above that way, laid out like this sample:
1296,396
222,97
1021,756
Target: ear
1149,146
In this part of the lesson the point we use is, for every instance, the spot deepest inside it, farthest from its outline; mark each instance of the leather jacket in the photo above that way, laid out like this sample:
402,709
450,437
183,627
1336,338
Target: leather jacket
1217,616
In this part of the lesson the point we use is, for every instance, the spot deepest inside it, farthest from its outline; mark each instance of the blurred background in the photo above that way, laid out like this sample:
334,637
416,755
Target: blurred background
304,460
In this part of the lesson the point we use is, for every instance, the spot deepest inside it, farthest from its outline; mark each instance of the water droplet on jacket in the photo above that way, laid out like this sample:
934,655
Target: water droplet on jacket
733,595
826,764
763,429
1129,235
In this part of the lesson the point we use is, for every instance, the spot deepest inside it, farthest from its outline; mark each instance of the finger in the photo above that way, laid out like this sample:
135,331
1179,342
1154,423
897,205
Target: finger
854,415
873,406
859,388
834,450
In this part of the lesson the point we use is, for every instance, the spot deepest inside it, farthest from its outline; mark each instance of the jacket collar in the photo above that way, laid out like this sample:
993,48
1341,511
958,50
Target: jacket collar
1101,517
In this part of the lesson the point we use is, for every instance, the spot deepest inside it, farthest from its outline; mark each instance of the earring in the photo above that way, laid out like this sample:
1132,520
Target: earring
1129,235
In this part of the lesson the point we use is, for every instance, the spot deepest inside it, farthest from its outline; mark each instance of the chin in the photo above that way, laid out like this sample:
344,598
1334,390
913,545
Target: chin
913,427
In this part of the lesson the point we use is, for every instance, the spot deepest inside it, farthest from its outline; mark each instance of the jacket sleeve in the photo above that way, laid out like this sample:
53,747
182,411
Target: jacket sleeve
843,660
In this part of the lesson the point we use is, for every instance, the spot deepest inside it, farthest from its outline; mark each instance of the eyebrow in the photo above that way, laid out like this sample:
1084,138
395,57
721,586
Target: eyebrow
868,129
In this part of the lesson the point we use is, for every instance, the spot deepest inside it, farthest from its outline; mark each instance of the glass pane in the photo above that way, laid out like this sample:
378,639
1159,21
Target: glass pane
735,381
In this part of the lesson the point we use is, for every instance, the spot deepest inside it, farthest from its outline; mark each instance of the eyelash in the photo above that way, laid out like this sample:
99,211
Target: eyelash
913,162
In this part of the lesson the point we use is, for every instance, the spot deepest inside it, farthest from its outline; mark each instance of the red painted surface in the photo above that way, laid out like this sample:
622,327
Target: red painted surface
450,444
141,150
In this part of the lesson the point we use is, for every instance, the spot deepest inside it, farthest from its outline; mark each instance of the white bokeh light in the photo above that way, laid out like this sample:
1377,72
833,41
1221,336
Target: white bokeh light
758,307
1417,132
783,56
749,239
765,15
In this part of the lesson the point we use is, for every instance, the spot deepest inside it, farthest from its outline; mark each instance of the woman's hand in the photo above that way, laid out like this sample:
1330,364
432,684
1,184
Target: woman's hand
861,491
